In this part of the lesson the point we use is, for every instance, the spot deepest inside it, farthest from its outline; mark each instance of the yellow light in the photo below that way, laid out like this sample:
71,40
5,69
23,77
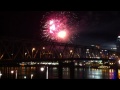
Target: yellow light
33,49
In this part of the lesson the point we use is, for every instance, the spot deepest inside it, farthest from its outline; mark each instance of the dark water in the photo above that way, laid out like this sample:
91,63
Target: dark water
52,73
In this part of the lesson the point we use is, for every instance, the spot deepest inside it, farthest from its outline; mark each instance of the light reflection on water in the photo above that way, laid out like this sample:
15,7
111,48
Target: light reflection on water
52,73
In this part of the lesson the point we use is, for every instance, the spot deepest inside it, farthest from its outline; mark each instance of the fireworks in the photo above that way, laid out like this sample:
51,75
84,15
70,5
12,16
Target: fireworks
60,26
62,34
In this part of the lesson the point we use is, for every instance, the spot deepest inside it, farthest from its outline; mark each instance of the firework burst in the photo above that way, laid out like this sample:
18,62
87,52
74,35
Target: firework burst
59,26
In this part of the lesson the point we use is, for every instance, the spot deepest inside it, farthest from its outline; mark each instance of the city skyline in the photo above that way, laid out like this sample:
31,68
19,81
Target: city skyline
59,45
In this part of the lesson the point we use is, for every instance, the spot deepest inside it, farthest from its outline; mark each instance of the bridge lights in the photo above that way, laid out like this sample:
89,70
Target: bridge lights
43,47
33,49
60,54
71,51
0,74
25,54
119,61
1,56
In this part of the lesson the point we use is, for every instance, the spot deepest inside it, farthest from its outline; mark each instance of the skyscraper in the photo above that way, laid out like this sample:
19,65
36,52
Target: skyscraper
118,43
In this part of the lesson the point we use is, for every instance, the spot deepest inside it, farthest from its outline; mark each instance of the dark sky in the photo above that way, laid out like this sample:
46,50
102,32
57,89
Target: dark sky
23,24
100,27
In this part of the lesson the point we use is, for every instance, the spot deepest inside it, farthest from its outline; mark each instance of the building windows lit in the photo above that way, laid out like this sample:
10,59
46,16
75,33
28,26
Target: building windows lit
118,43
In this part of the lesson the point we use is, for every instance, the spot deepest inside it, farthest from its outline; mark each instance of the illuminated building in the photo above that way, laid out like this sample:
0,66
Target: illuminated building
118,43
97,46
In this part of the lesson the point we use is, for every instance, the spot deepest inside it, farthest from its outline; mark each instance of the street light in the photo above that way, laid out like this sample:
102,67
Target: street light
0,74
33,49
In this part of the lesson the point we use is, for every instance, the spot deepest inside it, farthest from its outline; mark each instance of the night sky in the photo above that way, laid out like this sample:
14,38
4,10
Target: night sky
96,27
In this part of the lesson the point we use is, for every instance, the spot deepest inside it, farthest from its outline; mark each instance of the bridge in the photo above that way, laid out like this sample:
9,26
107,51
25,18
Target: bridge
17,51
33,50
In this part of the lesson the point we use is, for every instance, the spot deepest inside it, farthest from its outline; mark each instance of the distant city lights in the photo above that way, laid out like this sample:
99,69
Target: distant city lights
118,36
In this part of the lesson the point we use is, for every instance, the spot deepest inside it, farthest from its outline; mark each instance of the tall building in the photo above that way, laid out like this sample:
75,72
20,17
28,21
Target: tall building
118,43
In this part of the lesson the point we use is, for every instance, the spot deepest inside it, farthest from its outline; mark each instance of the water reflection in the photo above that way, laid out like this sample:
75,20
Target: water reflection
47,73
31,76
66,73
94,74
0,74
52,73
119,74
15,74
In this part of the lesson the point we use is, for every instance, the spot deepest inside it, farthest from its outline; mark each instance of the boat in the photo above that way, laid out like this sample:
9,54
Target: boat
104,67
